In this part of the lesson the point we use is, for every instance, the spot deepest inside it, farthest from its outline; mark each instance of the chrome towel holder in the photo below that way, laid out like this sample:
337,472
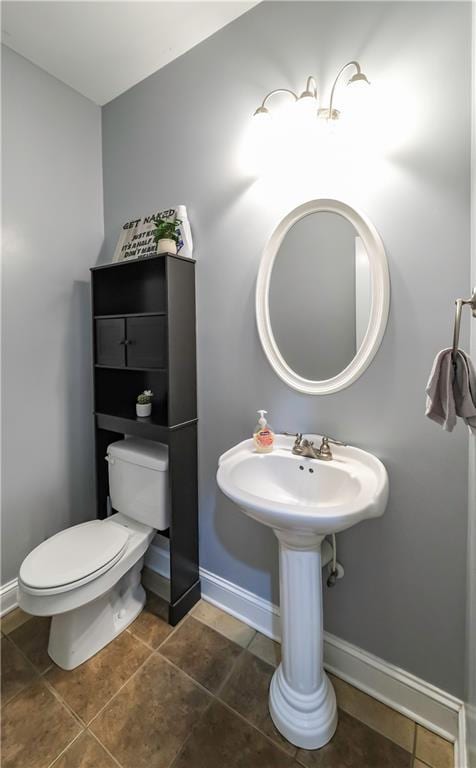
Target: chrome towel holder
459,306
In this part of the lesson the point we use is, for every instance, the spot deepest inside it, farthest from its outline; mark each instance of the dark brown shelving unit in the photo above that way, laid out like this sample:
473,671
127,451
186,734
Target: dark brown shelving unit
143,314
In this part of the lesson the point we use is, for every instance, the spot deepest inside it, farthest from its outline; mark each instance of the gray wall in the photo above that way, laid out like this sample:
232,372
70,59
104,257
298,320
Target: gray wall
312,296
470,692
53,228
174,138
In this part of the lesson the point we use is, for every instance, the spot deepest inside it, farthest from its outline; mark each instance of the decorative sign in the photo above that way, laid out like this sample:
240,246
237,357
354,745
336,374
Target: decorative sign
137,240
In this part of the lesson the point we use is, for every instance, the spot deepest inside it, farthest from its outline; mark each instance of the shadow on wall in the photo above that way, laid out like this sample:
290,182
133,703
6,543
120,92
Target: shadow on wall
78,419
228,517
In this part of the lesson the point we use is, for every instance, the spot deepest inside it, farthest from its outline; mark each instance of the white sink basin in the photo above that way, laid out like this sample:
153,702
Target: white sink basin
309,495
303,500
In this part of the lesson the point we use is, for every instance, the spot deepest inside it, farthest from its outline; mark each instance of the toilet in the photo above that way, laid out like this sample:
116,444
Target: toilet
87,577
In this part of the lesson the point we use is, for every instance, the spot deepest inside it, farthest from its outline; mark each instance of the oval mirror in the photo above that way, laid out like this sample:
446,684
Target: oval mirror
322,296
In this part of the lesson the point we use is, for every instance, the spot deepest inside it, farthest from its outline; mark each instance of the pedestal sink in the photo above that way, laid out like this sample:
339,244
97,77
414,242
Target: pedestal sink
303,500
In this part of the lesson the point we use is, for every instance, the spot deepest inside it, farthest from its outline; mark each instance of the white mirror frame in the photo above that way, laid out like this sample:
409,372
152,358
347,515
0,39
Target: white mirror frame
378,312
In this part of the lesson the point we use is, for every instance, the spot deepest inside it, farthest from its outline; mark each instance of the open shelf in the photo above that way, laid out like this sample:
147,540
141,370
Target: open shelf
117,389
129,368
129,424
129,314
140,289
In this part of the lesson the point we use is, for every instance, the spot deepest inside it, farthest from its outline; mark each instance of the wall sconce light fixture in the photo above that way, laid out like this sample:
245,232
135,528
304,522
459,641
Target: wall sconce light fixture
308,100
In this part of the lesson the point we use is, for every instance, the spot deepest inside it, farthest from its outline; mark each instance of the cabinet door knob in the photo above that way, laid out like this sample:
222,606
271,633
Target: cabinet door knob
124,341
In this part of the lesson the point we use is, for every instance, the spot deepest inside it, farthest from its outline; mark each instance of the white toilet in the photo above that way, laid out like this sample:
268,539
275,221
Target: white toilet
88,576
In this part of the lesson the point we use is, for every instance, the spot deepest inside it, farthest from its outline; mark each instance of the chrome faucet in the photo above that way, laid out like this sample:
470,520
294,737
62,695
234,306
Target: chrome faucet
304,447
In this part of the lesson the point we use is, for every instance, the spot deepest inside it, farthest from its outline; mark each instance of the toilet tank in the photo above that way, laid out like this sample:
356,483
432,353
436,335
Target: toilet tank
138,481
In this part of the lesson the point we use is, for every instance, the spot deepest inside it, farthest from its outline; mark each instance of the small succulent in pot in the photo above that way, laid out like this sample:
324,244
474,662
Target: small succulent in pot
166,234
144,403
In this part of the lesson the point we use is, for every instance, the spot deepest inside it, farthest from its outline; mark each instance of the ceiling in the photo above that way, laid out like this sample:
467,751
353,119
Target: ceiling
103,48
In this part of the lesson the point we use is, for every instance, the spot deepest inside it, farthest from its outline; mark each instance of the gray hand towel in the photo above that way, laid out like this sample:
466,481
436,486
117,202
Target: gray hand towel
450,395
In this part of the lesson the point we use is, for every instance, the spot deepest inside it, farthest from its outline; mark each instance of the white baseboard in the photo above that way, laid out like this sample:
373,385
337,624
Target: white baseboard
423,702
8,597
471,735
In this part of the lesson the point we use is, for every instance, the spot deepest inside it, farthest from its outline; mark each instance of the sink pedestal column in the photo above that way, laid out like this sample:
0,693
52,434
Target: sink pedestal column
302,701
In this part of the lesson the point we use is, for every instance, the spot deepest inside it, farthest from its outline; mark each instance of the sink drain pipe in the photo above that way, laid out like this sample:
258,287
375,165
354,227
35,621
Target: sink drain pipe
335,569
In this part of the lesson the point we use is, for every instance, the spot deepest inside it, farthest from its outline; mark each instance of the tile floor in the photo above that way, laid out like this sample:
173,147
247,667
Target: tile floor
193,696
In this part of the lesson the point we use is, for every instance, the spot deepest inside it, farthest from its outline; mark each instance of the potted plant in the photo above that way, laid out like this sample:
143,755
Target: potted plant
144,403
166,234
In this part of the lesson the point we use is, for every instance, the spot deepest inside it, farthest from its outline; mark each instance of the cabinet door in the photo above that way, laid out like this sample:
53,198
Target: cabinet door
146,342
110,342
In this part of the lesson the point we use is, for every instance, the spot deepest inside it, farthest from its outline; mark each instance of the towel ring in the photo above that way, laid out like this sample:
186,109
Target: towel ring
459,306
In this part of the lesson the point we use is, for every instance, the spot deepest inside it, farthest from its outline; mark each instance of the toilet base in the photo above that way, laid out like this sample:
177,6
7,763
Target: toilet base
77,635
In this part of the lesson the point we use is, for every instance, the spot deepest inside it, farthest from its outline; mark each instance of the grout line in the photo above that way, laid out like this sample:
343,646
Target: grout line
6,634
93,735
220,701
122,686
172,632
228,676
255,727
182,671
228,615
228,706
39,672
414,742
84,723
194,728
32,667
376,727
196,682
66,748
187,739
62,701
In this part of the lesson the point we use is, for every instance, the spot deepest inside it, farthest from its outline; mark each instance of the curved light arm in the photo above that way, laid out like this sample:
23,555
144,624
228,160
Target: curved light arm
262,108
311,88
341,70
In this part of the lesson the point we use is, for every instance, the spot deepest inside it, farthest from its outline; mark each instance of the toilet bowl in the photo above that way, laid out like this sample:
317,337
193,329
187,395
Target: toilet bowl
87,577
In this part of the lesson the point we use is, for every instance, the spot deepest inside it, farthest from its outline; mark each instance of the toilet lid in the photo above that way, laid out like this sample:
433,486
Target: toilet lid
74,554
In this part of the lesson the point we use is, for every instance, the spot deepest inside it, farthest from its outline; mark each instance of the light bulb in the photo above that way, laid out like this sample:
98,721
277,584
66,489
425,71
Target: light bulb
356,102
256,142
306,105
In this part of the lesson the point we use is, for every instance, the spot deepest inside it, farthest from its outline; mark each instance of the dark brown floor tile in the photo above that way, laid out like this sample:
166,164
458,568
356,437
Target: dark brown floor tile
376,715
223,740
355,745
152,625
17,673
35,729
145,725
85,752
32,638
247,692
433,749
202,653
12,620
89,687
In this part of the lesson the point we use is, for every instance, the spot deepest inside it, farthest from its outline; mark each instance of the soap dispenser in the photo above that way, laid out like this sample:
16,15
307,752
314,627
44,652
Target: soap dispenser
263,435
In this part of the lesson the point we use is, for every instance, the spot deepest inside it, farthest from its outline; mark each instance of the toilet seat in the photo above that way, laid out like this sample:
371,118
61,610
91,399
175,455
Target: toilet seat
73,557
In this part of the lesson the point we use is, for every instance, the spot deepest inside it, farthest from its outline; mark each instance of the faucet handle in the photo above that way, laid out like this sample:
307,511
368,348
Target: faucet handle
297,435
324,450
327,439
298,443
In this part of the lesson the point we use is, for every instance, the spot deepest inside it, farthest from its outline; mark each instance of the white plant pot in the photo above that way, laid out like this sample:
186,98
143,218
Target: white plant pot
166,245
143,409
